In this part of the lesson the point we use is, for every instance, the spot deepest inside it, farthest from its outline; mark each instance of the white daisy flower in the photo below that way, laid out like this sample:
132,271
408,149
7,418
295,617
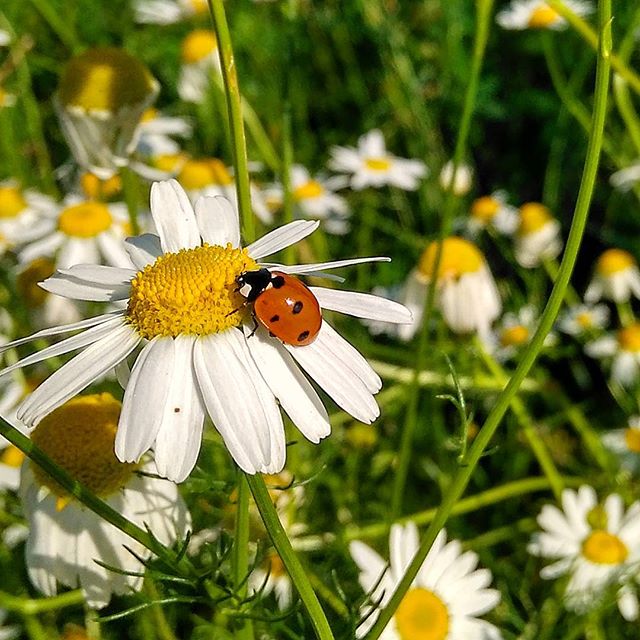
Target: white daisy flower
493,211
623,348
445,599
467,294
625,443
66,538
616,277
101,97
199,55
155,131
198,354
372,166
537,236
464,178
583,318
168,11
598,545
535,14
626,178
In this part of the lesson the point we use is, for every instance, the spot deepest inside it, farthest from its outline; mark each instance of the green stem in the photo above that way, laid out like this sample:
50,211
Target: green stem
627,111
234,104
34,629
287,161
283,546
162,626
240,557
552,267
32,606
528,358
483,21
61,27
131,191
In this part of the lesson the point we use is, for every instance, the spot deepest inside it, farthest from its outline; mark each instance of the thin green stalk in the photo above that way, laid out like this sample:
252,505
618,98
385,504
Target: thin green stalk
551,266
34,629
483,22
32,606
287,161
240,557
285,551
234,104
464,473
59,25
162,626
627,111
131,191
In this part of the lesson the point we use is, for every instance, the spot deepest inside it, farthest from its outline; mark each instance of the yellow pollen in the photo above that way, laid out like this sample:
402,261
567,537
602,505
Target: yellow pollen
27,281
198,45
12,202
459,257
422,616
632,439
514,336
79,436
614,261
311,189
191,292
629,337
199,6
105,79
96,189
12,457
542,17
484,209
377,164
602,547
85,220
533,216
584,320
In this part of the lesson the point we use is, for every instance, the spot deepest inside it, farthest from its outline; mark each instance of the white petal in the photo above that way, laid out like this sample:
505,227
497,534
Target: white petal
319,267
144,249
218,221
174,218
371,565
99,274
362,305
281,238
70,287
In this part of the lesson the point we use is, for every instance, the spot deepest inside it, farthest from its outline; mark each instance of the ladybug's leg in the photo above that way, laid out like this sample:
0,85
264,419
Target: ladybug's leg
255,327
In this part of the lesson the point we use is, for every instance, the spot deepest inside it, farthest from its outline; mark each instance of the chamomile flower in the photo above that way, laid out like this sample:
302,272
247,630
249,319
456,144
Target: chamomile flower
101,97
514,331
493,211
464,178
597,544
537,237
155,134
199,56
467,294
168,11
623,349
624,179
579,319
198,354
371,165
616,277
446,598
536,14
625,443
65,538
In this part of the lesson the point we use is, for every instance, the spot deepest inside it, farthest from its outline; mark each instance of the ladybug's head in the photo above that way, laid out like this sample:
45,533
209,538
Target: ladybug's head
252,283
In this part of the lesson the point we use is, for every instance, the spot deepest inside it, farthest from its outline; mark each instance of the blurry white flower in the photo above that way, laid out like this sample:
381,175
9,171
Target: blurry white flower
537,236
155,131
168,11
625,443
535,14
616,277
624,349
582,318
514,331
626,178
493,211
372,166
199,56
464,178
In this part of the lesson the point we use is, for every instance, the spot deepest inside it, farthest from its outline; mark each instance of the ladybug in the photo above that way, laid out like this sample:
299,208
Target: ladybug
283,305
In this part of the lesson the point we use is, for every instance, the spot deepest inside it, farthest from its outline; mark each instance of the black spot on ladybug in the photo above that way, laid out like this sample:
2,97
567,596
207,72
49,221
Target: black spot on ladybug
277,282
303,336
274,318
297,307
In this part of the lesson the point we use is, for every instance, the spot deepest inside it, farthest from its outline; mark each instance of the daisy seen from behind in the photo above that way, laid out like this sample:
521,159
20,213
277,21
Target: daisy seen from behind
537,236
616,277
625,444
493,212
623,350
199,57
201,353
446,598
514,331
536,14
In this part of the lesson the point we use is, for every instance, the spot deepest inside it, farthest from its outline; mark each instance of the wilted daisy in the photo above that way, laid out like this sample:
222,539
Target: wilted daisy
200,351
514,331
65,538
154,135
537,236
199,56
597,544
625,443
445,599
616,277
467,294
464,178
494,212
623,348
535,14
372,166
101,97
168,11
579,319
626,178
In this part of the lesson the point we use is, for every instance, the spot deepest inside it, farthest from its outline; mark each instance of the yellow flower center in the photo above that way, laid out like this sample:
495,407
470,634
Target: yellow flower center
96,189
12,457
584,320
422,616
484,209
79,436
632,439
377,164
191,292
629,337
274,565
198,45
149,114
12,202
311,189
85,220
533,216
169,162
459,256
542,17
514,336
27,281
199,6
198,174
105,79
614,261
602,547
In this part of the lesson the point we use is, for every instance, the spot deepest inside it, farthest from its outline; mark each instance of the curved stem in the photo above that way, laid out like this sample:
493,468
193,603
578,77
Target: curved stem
31,606
462,477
